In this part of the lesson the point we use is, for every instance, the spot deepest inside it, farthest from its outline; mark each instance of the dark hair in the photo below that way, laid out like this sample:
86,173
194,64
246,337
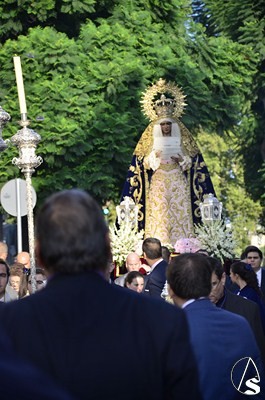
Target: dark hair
3,262
131,276
152,248
165,253
40,271
16,269
246,273
252,249
189,276
23,287
216,266
72,233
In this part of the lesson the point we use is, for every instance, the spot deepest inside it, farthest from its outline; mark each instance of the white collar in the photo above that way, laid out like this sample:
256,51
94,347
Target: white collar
155,264
187,303
259,276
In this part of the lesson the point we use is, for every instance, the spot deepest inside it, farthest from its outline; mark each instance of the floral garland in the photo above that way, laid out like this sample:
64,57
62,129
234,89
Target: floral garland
187,245
124,241
216,239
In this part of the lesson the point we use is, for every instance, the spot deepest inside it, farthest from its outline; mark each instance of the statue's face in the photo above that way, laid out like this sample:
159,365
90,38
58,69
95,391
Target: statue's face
166,128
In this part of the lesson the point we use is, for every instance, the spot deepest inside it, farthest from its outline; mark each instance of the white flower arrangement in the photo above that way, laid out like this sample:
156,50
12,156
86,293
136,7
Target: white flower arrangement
124,241
216,239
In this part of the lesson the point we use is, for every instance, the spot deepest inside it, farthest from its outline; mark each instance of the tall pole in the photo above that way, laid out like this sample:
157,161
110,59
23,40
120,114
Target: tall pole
26,141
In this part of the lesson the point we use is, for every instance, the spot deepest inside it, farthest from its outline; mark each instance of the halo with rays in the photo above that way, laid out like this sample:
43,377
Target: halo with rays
162,87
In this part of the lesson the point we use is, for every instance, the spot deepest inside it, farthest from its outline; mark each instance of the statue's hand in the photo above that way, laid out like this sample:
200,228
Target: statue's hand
177,159
158,153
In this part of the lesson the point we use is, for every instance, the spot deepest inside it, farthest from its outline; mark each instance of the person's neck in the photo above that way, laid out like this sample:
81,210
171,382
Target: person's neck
241,283
152,262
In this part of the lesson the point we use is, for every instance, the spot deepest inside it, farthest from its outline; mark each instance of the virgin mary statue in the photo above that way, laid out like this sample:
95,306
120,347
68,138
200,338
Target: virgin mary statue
167,178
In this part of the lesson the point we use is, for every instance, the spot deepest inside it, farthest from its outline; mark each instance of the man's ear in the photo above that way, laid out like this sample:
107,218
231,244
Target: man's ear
170,292
176,300
223,278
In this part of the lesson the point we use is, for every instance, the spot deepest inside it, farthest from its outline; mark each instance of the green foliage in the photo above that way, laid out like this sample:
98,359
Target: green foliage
244,23
226,169
85,66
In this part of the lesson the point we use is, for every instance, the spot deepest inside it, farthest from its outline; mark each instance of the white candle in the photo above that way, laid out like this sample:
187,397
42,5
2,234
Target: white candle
20,85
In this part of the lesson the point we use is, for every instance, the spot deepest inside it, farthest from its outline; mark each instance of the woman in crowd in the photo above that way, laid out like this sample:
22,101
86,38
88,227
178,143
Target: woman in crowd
243,275
134,281
16,275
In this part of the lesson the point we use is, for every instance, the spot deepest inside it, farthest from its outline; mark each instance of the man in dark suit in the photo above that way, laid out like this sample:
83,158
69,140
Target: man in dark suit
220,338
20,380
253,256
223,298
155,280
99,341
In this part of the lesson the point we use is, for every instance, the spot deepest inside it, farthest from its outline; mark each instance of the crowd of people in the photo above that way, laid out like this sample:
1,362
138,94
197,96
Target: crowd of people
15,278
85,336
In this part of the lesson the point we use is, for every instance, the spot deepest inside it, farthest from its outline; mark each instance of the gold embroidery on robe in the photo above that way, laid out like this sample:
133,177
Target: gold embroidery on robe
168,206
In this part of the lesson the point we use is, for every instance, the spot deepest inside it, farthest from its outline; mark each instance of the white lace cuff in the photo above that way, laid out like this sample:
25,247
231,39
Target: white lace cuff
186,163
152,161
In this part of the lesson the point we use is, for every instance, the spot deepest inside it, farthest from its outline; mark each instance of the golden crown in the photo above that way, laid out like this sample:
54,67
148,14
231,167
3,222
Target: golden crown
164,106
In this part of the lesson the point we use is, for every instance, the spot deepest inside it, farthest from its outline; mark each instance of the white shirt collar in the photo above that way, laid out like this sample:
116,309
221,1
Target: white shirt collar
259,276
191,301
155,264
187,303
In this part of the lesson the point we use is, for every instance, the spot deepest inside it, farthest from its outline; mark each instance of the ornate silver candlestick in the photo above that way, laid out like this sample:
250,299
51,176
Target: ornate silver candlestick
26,141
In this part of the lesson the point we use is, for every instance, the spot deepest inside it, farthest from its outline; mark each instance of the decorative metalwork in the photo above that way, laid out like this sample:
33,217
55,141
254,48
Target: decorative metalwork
26,141
211,208
4,118
155,108
127,212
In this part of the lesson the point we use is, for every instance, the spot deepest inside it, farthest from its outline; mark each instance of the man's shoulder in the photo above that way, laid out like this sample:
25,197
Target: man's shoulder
202,308
163,263
234,300
120,280
160,267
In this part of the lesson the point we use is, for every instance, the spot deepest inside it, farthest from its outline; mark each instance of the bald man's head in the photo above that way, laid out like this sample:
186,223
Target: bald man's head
23,258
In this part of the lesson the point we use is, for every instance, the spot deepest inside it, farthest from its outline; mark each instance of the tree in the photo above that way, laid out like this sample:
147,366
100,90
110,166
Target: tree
83,89
227,170
244,23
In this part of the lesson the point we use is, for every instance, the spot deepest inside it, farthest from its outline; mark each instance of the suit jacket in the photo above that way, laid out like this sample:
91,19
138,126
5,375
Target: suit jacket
155,281
120,280
20,380
220,339
250,311
102,342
